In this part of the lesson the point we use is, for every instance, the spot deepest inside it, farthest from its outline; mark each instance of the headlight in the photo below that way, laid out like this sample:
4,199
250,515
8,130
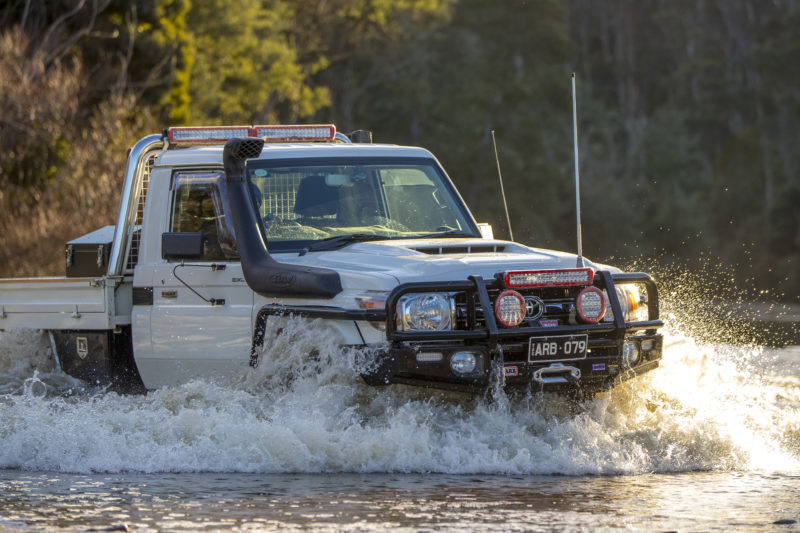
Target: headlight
428,311
633,303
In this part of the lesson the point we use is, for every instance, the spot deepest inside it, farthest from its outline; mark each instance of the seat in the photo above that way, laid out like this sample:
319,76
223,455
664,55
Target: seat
315,198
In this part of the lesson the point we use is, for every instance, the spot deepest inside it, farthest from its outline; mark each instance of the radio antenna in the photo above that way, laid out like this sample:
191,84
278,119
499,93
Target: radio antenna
502,191
577,172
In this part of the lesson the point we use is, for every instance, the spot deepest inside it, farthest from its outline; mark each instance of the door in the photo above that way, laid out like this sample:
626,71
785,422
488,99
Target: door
201,316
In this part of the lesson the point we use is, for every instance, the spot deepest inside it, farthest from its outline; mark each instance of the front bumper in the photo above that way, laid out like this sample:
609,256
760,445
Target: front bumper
507,364
423,358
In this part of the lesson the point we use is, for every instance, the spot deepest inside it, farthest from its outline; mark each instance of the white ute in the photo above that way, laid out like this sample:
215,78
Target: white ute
222,229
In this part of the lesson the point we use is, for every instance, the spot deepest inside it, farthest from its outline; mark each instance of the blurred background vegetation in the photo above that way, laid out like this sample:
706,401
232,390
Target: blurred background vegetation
689,112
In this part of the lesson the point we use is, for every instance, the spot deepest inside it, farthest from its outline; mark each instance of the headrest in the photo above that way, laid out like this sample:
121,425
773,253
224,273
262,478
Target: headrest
315,198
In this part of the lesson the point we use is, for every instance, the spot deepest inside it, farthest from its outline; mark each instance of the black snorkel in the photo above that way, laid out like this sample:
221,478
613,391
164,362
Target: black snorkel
263,274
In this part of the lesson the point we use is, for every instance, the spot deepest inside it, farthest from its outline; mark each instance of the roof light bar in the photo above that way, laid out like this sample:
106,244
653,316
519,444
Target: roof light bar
206,135
568,277
304,133
221,134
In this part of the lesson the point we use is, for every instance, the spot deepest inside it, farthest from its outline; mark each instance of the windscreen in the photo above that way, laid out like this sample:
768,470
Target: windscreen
305,201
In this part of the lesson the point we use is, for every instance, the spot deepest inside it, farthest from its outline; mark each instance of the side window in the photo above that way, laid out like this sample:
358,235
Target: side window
199,204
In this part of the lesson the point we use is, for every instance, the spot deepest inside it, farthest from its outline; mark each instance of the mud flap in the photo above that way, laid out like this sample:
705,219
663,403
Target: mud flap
100,358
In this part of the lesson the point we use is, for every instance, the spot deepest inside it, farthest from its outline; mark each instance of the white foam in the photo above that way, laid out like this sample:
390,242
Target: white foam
707,407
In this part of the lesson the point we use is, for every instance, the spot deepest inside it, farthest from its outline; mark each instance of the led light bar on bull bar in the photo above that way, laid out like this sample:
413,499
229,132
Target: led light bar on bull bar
220,134
567,277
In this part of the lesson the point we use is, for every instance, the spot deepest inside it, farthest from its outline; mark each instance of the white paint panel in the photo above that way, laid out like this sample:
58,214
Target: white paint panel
56,303
160,372
189,337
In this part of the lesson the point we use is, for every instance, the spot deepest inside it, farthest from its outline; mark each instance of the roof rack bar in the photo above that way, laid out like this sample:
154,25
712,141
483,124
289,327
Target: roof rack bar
342,137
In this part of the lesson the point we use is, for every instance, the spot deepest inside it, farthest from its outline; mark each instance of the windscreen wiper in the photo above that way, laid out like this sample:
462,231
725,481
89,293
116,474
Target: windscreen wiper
447,234
339,241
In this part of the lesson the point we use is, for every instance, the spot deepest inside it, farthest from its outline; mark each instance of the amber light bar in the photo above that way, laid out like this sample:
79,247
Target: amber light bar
567,277
282,133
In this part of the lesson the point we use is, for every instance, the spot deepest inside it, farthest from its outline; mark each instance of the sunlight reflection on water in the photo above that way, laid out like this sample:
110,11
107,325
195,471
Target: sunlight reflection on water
407,502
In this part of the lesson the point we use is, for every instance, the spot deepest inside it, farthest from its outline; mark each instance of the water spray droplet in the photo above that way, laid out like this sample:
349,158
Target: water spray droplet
34,387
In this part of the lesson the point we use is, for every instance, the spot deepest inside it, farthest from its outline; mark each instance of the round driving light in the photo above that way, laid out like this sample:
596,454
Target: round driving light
591,305
631,355
463,362
509,308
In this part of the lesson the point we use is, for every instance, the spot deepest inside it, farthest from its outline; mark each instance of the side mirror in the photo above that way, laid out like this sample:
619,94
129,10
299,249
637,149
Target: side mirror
486,230
182,245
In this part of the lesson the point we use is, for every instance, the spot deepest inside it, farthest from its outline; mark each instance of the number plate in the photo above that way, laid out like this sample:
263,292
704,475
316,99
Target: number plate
560,348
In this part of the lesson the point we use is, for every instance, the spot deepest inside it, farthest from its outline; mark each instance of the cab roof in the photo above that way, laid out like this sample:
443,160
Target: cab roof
212,154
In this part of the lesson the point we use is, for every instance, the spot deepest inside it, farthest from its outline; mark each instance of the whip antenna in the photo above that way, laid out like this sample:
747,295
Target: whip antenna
502,191
577,172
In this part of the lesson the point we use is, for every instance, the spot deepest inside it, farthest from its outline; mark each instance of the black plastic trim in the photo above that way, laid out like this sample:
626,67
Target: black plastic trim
263,274
142,296
181,245
322,311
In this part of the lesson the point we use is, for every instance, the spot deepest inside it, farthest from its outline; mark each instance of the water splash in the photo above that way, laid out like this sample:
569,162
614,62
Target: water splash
26,355
34,387
710,406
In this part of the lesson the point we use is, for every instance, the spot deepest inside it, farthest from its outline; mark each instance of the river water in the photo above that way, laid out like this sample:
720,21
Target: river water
710,441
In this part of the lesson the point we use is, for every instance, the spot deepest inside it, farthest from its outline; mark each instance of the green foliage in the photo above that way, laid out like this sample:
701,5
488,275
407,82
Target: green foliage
173,36
247,69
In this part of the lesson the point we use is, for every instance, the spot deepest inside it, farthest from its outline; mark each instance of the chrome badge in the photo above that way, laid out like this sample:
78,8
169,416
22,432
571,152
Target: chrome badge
534,307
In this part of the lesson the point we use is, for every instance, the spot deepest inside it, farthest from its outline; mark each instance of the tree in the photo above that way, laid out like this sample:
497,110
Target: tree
247,70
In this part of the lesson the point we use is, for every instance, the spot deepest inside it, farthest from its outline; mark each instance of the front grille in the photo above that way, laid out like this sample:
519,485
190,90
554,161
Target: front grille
559,305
